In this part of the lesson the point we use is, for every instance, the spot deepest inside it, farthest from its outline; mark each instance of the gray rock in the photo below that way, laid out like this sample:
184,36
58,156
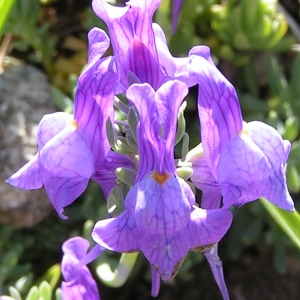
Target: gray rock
24,98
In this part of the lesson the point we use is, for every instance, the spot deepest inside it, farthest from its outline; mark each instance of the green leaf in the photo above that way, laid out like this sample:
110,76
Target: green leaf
293,178
291,128
5,8
295,77
52,276
249,16
61,100
33,294
24,283
45,290
14,293
288,222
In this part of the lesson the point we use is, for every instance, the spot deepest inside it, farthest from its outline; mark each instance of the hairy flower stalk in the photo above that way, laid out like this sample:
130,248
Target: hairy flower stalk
236,162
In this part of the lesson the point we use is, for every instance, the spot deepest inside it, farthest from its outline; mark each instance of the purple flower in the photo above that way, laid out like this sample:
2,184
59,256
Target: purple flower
241,161
176,7
79,283
71,149
160,218
133,40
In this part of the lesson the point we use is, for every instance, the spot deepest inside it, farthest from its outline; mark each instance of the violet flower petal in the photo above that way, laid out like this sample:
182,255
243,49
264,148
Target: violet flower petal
203,179
98,45
77,247
217,270
129,22
141,62
256,169
208,226
160,217
106,175
173,67
52,124
94,100
30,175
155,282
66,164
27,177
117,234
162,231
157,125
79,283
218,108
176,7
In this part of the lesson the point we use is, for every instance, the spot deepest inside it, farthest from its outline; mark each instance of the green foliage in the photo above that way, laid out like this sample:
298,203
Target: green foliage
24,25
5,8
41,292
11,250
60,99
251,25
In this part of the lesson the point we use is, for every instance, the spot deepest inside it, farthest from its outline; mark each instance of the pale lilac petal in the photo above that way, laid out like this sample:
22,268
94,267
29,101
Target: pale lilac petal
203,179
143,97
169,249
217,270
168,100
98,44
126,23
94,105
77,247
173,67
155,282
79,283
67,155
141,62
28,177
276,191
160,217
66,164
157,122
165,252
176,7
63,191
52,124
203,51
218,108
276,150
242,170
165,58
269,141
207,227
117,234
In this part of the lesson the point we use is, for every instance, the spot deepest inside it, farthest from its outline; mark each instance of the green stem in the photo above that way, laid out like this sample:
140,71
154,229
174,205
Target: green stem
120,275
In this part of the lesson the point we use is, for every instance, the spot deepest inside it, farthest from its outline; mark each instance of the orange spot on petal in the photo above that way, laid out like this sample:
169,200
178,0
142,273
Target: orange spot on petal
160,177
244,130
74,123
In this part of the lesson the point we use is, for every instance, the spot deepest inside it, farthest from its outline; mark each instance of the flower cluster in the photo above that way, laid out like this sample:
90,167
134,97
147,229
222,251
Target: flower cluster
235,163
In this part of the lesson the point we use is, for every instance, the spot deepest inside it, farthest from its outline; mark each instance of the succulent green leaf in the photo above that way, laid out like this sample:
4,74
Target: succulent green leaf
45,291
288,222
33,294
14,293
